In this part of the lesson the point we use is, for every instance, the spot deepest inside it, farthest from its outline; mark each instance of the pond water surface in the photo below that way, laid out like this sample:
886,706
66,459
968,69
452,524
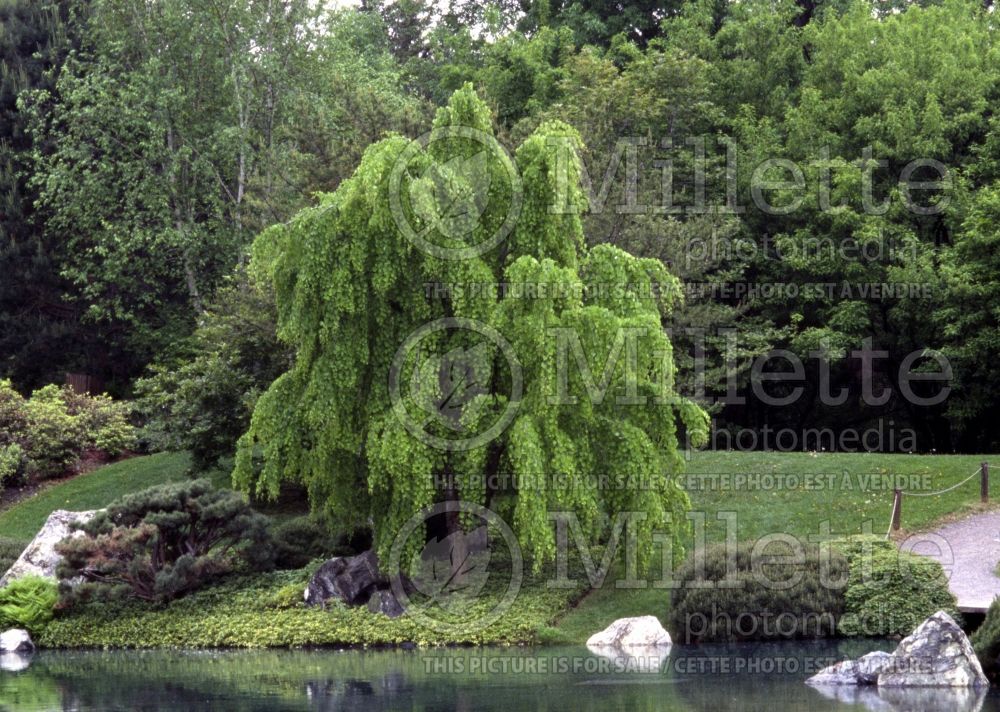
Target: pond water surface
766,677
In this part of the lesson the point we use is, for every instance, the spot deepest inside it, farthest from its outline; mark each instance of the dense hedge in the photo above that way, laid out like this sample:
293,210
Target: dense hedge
721,597
857,586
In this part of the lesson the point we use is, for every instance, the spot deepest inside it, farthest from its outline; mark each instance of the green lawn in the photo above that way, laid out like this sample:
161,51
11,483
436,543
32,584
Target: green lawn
94,490
850,491
851,502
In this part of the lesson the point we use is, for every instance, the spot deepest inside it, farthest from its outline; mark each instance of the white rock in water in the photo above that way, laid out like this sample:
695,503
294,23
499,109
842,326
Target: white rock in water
14,662
40,557
624,633
16,640
936,654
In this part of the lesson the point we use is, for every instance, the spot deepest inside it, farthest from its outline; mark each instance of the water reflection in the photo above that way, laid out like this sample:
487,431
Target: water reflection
897,699
765,678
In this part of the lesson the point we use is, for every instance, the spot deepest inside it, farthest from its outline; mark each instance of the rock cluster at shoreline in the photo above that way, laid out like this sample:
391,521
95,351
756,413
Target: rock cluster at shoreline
936,654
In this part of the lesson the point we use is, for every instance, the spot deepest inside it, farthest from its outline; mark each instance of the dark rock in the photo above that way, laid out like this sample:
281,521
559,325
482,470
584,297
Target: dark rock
384,601
351,579
357,581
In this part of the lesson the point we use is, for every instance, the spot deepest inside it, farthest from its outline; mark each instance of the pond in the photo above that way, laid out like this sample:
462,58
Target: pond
747,677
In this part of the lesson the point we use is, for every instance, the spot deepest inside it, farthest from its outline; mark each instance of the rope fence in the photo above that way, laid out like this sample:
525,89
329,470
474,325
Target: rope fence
897,495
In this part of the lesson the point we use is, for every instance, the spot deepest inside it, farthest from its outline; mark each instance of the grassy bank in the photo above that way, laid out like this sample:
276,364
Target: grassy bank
799,494
95,490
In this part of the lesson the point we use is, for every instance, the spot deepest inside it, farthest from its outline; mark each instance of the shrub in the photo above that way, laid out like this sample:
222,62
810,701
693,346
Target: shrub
55,437
301,540
13,415
201,400
46,434
986,640
782,592
105,422
165,541
13,463
10,550
28,602
890,592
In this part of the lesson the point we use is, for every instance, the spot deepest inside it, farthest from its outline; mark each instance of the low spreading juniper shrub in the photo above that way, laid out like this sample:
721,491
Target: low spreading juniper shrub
780,592
163,542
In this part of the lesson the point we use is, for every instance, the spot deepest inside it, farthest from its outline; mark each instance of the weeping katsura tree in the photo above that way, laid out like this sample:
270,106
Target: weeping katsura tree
455,340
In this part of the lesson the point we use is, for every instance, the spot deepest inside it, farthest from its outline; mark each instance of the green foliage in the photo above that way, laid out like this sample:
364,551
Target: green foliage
12,463
350,289
267,610
28,602
165,541
201,400
890,592
986,641
57,436
40,335
10,550
300,540
46,434
781,591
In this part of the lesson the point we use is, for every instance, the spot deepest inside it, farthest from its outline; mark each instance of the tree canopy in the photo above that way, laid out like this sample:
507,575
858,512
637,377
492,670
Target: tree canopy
377,436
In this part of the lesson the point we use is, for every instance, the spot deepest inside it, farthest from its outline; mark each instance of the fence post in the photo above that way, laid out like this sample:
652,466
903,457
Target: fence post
984,482
897,508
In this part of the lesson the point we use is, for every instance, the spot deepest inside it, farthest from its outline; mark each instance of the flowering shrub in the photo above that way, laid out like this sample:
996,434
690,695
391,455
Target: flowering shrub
45,435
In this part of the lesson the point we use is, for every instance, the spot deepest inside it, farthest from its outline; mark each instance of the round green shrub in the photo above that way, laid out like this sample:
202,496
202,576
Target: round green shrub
890,592
780,590
28,602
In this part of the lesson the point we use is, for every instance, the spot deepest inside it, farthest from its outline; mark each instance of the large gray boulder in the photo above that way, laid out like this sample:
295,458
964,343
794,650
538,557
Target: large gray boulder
40,557
631,633
16,640
936,654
